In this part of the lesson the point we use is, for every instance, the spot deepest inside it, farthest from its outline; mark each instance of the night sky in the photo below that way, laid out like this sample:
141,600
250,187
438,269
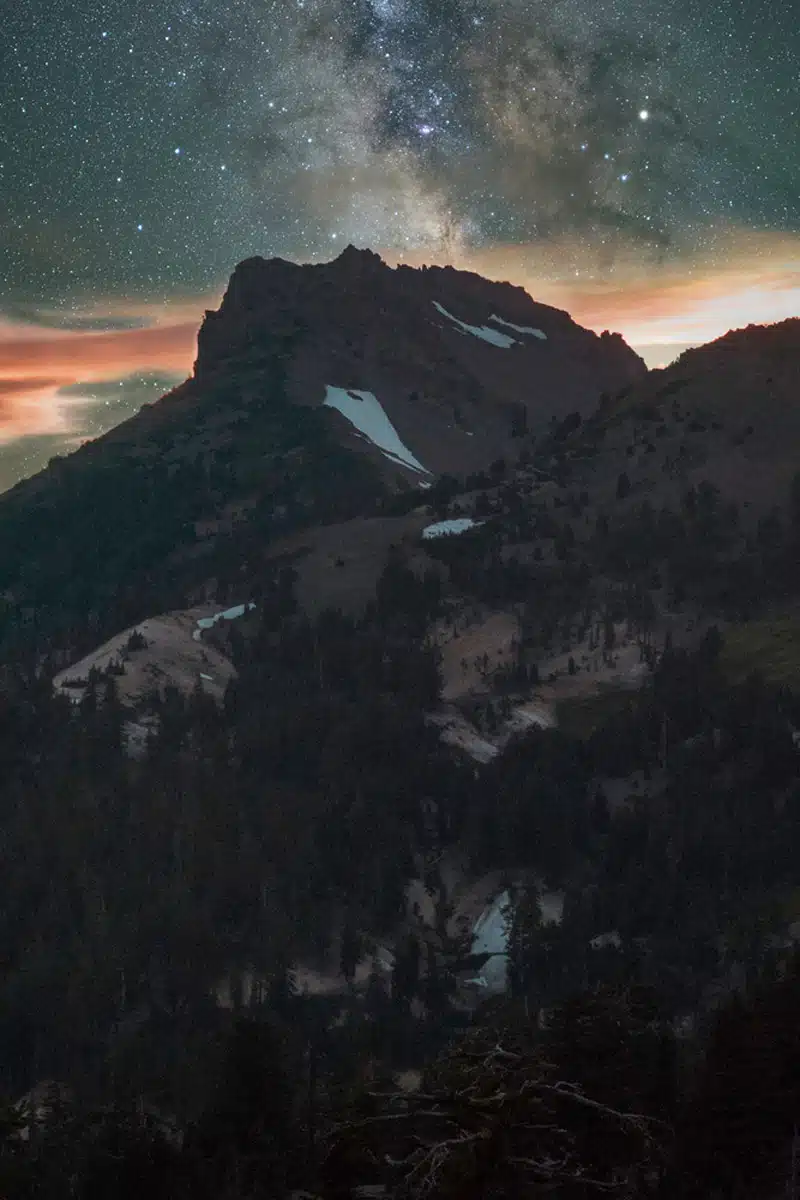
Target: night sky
636,161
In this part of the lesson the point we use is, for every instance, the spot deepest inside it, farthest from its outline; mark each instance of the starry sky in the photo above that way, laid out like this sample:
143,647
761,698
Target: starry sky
634,161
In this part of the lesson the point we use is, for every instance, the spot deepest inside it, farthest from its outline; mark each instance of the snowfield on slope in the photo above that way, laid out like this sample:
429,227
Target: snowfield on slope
227,614
364,411
537,333
484,332
490,936
450,528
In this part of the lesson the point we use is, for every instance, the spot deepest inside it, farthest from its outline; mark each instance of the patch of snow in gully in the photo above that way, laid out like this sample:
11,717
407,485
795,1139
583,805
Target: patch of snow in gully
492,336
490,936
228,614
519,328
449,528
365,412
491,932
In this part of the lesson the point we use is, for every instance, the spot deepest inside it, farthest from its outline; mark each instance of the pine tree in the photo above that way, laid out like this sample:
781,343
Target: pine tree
525,926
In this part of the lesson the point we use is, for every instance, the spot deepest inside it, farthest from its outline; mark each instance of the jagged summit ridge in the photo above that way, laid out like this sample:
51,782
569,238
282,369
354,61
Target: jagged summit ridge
254,277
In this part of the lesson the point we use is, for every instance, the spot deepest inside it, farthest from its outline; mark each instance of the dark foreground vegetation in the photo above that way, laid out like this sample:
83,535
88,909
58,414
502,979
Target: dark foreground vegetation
248,838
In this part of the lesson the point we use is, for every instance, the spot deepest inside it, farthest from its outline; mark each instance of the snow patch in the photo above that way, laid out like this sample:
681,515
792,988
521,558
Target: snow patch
537,333
365,412
493,336
490,936
227,614
491,931
449,528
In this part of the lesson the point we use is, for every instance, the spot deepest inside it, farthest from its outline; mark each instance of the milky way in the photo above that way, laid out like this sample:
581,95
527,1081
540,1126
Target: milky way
146,147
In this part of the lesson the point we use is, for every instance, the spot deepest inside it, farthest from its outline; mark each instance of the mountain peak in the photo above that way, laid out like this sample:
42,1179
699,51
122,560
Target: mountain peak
354,259
456,365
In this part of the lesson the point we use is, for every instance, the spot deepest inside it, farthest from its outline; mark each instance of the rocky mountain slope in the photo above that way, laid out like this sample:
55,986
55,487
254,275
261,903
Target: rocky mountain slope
257,464
727,413
724,416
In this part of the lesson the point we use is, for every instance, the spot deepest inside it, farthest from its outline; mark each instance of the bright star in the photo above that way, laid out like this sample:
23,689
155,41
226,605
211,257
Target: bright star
644,115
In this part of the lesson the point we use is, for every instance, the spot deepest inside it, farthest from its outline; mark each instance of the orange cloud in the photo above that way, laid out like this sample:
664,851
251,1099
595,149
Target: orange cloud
13,387
36,362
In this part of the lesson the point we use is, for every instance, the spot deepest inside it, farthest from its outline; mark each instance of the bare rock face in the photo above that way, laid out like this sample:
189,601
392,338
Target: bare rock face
458,364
